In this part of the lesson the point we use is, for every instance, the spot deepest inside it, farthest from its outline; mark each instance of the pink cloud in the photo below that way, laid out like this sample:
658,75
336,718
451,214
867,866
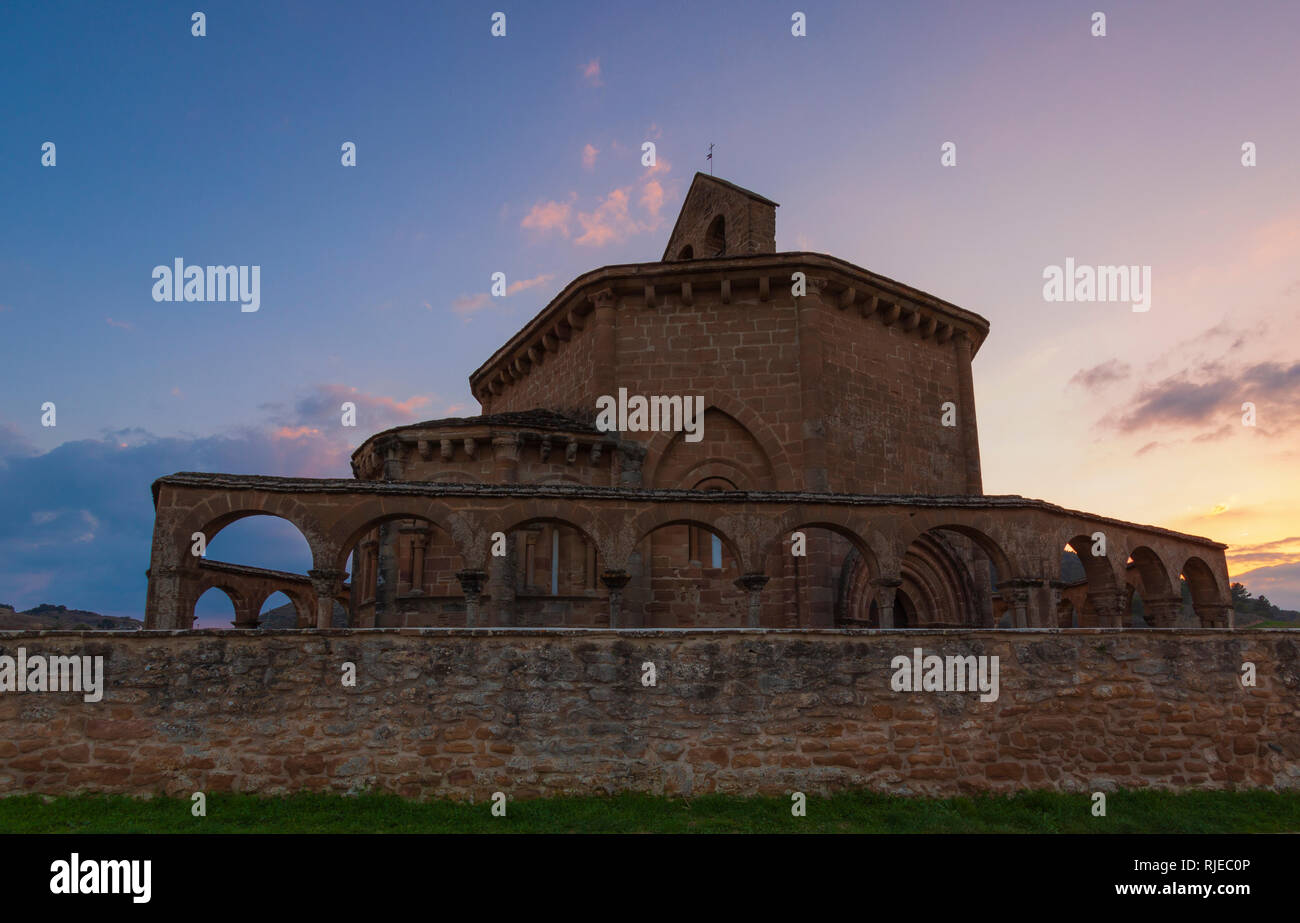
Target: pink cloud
523,285
652,197
117,323
294,432
591,73
609,221
548,216
469,304
589,153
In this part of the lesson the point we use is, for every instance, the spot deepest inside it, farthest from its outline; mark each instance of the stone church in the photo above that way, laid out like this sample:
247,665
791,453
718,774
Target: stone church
836,484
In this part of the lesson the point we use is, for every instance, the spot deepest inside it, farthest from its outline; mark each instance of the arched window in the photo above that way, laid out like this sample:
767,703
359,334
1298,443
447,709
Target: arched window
687,253
716,238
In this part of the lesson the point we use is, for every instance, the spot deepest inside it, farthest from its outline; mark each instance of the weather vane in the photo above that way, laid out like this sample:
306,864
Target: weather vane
710,158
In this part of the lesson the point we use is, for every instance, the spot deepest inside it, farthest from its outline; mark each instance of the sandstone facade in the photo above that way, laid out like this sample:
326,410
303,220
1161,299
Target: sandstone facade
839,420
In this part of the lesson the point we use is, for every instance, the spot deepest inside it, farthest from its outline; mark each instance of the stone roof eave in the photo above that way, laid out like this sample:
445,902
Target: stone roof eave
642,274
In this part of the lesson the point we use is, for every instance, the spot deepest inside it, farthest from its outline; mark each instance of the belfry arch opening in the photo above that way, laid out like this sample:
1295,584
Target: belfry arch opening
715,239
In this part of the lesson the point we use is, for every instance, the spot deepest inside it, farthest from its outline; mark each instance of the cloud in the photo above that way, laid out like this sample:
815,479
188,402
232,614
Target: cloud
319,413
591,73
661,165
119,324
1262,554
523,285
609,221
652,197
1101,375
469,304
589,152
1214,393
549,216
612,219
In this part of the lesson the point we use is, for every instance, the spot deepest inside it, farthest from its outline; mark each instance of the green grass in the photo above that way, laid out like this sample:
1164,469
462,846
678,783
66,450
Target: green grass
852,812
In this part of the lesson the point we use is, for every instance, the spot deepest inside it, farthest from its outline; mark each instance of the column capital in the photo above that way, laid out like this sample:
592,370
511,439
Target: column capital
327,580
472,581
615,579
752,582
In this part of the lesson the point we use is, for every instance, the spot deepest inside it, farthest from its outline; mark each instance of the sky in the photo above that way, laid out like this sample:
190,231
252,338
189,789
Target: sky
522,154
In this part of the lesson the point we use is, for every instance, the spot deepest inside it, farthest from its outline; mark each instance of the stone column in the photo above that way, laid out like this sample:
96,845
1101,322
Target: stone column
1163,611
753,585
1016,596
886,591
246,617
163,598
327,583
811,389
1215,615
418,539
966,410
1037,601
614,581
471,584
1109,606
369,569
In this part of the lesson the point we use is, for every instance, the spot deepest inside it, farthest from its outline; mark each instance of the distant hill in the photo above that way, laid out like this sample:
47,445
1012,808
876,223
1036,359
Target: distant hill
47,617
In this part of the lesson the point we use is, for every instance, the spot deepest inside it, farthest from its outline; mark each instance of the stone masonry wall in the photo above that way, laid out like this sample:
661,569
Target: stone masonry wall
462,713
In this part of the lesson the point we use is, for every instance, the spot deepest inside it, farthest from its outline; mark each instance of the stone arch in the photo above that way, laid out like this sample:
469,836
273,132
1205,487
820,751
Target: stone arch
686,253
1152,573
654,519
993,548
1099,570
551,574
542,511
376,511
209,519
841,522
675,580
1208,597
405,566
935,579
966,582
238,602
304,608
772,448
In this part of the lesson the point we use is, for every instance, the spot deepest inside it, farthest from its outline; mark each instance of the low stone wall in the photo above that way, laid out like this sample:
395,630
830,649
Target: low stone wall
463,713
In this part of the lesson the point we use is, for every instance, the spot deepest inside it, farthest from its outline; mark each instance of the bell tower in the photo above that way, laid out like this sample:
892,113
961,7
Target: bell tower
720,218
